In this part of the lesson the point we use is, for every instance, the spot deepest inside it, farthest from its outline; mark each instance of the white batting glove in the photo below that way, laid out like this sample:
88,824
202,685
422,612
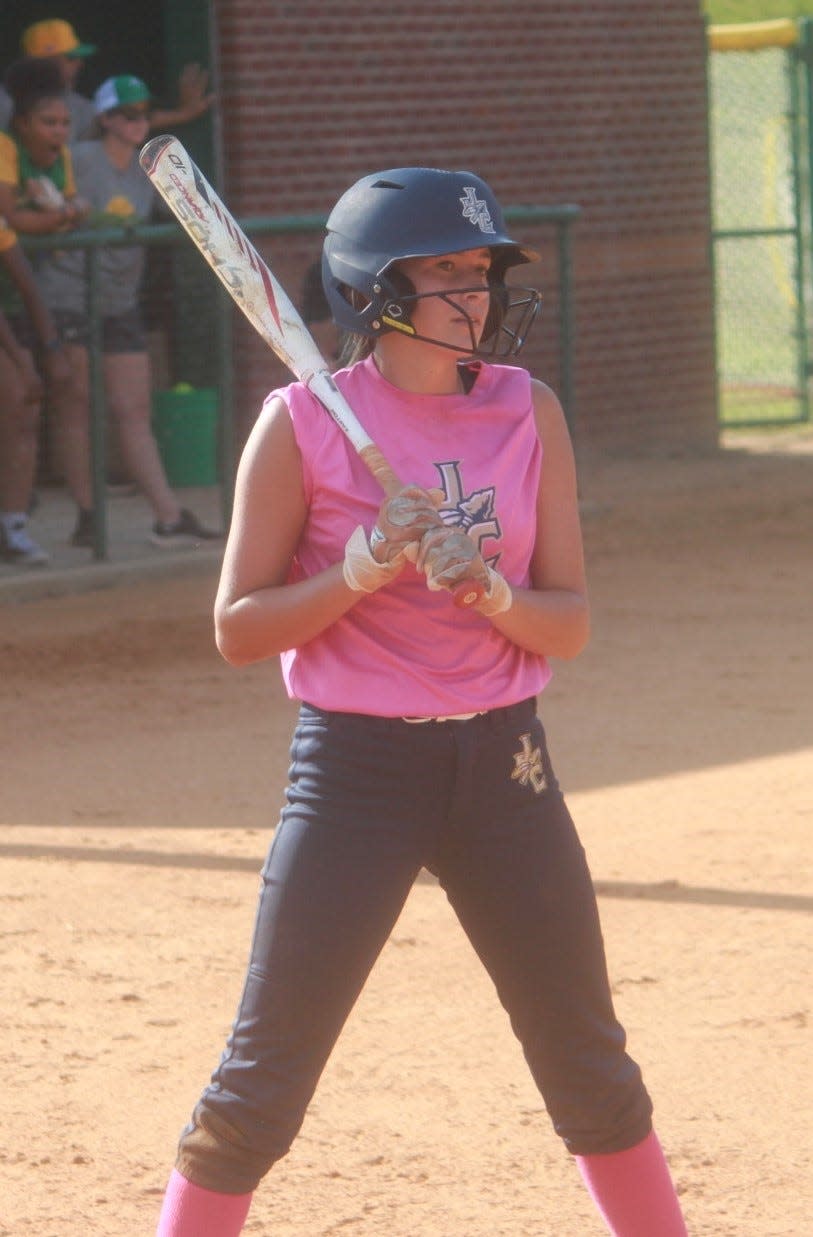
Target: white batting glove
362,572
498,596
402,520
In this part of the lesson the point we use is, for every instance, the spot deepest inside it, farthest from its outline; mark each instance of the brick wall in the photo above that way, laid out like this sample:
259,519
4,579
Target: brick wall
601,104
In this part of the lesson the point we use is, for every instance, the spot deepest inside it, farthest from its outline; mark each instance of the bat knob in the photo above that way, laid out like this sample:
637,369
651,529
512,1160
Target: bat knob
467,594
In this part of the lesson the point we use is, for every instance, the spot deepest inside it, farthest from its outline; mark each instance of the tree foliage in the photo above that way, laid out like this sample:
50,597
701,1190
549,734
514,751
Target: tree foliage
722,12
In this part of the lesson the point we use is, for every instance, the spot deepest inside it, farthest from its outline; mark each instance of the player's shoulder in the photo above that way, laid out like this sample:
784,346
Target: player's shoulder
545,399
362,386
272,441
549,414
276,409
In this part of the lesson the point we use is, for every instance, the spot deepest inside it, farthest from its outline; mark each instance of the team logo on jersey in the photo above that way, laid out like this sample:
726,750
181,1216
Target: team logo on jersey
476,210
474,513
528,767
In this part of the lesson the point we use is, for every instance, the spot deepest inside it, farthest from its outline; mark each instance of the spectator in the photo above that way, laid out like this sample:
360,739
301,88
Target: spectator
110,180
21,395
57,40
37,188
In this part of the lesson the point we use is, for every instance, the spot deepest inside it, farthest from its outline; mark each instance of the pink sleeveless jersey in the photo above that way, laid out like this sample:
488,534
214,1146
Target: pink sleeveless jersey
405,651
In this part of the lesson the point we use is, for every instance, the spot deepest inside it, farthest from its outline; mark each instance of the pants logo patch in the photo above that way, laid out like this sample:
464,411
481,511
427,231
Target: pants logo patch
528,768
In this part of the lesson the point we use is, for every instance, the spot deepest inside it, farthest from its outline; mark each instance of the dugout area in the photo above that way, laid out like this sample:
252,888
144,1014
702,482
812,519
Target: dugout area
154,40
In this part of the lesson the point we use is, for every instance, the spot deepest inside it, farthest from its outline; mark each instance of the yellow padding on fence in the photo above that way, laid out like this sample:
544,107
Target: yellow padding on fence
749,36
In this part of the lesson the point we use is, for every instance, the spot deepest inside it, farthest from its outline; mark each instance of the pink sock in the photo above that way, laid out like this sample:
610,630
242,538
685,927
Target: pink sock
191,1211
633,1191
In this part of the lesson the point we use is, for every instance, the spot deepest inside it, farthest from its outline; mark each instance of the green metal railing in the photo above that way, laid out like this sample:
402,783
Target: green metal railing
562,217
162,234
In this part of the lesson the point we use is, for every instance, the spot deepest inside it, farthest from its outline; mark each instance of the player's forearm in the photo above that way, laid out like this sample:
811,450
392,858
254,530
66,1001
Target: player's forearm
552,622
268,621
169,117
41,222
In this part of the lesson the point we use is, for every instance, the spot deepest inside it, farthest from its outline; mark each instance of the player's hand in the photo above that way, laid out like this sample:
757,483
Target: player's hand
448,557
362,572
80,208
193,96
402,521
43,193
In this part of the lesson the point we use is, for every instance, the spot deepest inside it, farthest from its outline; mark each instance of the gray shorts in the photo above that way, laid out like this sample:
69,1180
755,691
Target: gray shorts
120,332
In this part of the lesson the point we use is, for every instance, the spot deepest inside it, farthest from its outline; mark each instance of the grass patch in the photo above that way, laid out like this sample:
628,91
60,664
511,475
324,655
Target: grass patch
726,12
760,407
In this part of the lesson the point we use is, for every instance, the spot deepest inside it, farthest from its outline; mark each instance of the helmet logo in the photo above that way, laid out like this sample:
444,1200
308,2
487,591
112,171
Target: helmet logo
393,315
476,210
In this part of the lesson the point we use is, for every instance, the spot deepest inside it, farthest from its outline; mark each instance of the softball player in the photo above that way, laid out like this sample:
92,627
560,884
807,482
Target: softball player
417,743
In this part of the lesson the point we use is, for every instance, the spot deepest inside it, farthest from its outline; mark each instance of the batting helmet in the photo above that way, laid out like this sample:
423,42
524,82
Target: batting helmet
419,212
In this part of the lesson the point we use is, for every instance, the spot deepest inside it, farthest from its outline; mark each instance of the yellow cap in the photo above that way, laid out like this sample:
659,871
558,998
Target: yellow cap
54,37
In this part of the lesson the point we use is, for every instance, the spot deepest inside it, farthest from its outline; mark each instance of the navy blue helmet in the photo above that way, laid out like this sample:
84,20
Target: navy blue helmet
420,212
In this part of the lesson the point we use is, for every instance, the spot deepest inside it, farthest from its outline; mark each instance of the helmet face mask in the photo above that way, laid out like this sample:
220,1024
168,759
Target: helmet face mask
512,311
421,212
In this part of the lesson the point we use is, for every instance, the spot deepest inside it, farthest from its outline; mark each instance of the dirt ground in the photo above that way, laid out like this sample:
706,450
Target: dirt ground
141,779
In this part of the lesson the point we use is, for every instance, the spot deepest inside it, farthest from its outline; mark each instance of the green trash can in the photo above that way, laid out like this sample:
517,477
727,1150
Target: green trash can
184,421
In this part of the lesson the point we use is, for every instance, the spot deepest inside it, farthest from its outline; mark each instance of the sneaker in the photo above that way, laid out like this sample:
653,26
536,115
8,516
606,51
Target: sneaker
85,532
18,548
187,530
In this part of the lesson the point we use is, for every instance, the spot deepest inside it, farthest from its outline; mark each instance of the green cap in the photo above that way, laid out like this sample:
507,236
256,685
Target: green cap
119,92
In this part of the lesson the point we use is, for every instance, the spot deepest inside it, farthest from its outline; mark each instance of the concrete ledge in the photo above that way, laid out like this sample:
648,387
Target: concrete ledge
38,583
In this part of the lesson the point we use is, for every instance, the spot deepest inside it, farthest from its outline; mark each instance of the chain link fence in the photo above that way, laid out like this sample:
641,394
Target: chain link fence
756,133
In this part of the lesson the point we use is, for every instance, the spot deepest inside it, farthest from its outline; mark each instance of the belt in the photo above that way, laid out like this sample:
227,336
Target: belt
452,717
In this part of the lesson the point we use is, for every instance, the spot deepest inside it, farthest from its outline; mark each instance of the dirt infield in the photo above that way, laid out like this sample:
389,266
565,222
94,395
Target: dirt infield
141,778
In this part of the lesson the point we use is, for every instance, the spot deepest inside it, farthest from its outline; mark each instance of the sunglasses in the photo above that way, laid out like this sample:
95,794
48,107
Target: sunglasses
132,113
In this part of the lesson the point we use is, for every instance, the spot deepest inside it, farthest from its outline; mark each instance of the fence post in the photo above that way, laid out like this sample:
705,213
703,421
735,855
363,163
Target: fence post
793,60
566,325
805,52
97,411
226,404
563,217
